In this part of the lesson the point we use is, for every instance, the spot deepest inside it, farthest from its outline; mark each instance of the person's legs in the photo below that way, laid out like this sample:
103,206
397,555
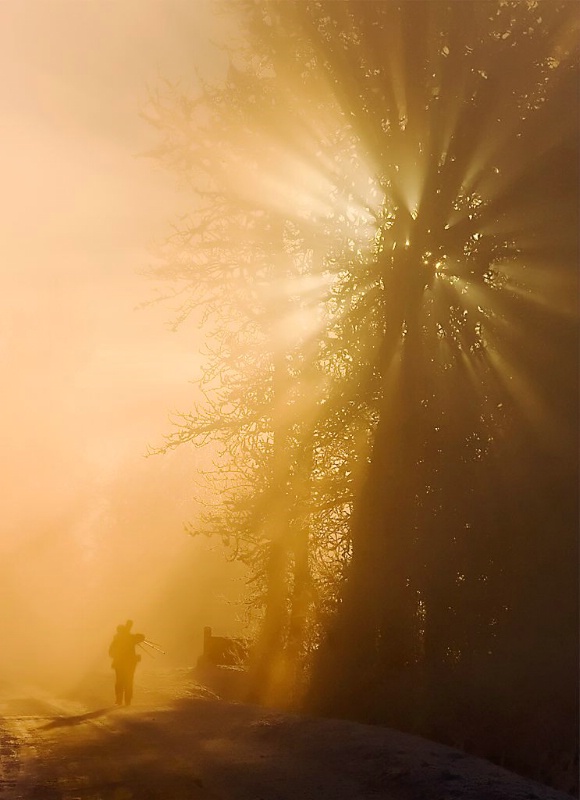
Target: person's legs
119,686
129,675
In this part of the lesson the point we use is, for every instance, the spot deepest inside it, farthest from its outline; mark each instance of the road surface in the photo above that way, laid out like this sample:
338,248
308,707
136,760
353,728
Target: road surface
178,742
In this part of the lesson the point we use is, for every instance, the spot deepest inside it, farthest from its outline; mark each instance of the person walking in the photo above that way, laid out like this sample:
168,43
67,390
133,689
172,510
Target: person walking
124,661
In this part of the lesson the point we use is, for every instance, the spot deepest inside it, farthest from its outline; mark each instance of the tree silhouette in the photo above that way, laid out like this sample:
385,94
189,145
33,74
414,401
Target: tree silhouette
410,175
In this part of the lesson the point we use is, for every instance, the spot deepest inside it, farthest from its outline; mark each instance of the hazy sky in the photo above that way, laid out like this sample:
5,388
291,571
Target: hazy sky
90,529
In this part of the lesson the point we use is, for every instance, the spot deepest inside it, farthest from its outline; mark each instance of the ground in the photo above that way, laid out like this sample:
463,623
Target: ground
181,742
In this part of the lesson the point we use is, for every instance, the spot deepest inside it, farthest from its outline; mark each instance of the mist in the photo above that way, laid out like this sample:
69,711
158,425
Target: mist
313,294
92,531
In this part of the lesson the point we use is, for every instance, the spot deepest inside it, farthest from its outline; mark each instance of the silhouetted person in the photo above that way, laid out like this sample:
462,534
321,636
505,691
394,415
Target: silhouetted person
124,661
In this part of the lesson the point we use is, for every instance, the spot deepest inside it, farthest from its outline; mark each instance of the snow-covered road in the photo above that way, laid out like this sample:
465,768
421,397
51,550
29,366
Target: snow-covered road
180,743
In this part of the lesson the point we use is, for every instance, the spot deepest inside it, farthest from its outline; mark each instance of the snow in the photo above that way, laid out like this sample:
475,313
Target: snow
181,741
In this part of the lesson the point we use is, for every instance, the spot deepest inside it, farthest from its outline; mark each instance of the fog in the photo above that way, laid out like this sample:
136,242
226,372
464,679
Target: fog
92,531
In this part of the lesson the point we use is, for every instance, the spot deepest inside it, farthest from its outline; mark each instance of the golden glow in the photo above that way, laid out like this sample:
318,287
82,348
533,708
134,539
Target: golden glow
87,538
353,251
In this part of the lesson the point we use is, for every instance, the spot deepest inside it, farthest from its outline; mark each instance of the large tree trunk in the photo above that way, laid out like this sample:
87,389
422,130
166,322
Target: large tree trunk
267,655
301,593
374,628
374,634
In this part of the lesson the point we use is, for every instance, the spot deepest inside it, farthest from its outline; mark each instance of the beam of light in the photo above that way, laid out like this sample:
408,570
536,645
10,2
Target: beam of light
497,132
546,285
542,422
384,210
